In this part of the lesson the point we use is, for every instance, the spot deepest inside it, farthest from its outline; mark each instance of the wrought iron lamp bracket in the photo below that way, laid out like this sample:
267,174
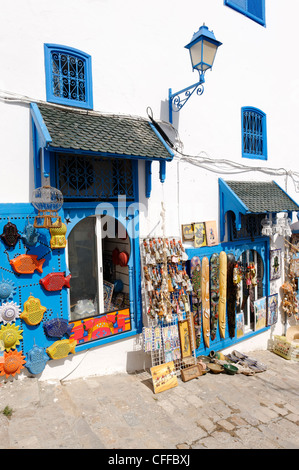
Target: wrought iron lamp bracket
179,99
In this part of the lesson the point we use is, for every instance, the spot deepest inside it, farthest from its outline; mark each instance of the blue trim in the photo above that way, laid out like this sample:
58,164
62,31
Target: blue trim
259,112
229,201
163,142
48,50
109,339
41,141
235,5
148,178
162,172
106,154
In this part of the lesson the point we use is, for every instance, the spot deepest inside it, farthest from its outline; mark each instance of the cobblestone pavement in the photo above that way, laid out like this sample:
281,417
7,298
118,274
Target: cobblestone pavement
122,412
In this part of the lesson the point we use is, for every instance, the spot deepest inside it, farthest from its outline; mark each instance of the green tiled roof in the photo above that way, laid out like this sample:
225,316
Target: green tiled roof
109,134
262,196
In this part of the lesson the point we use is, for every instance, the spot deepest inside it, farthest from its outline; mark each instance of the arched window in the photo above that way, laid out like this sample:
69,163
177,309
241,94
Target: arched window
254,133
68,76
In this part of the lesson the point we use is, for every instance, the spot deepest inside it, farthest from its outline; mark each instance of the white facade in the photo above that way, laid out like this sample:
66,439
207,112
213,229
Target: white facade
138,53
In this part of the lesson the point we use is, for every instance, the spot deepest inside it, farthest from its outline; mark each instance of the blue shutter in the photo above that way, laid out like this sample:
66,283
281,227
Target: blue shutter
253,9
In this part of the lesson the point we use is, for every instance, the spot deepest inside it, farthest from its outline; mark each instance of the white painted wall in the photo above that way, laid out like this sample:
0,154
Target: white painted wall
138,52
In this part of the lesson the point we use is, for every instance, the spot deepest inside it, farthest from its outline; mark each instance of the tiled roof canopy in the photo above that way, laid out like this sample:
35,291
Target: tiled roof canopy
107,134
261,197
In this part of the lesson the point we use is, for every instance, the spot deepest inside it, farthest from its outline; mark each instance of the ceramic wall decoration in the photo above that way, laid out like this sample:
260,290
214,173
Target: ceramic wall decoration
61,349
27,264
7,289
13,362
36,360
33,311
58,239
10,235
10,336
30,235
55,281
9,312
275,264
57,327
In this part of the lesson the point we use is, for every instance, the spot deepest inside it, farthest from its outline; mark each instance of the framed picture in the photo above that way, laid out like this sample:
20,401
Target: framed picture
272,309
240,324
107,291
185,340
164,377
260,313
211,233
199,231
187,233
190,373
275,264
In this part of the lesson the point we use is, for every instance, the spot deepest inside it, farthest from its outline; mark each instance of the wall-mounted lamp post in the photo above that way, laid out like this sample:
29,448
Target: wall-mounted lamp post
202,47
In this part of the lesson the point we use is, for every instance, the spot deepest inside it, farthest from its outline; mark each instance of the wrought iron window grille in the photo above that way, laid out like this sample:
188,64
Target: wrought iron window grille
93,178
254,137
250,226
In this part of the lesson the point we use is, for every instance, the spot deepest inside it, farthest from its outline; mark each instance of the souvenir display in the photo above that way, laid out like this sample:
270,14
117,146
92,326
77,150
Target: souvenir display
107,293
222,292
205,289
231,295
47,200
240,324
55,281
9,312
260,313
10,336
10,235
7,289
27,264
13,362
164,377
36,360
185,339
195,270
57,232
190,373
214,293
33,311
61,349
57,327
188,232
30,235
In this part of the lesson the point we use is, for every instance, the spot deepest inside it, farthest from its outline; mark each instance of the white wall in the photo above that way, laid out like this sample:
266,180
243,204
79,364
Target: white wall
138,52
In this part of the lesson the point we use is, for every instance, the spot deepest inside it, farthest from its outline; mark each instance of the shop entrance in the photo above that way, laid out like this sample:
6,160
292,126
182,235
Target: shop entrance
99,249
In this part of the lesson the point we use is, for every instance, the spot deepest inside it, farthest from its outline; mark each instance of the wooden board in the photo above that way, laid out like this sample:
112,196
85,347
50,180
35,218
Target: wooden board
214,293
164,377
190,373
205,288
222,292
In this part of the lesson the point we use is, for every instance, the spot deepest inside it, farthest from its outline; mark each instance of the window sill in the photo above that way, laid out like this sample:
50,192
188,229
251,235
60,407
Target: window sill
103,341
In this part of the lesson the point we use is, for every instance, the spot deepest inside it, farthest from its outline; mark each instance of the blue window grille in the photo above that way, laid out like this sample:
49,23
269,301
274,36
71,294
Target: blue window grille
93,178
68,76
254,133
253,9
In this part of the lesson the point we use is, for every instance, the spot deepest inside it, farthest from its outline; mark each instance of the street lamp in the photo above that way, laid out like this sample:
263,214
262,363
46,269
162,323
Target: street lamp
202,47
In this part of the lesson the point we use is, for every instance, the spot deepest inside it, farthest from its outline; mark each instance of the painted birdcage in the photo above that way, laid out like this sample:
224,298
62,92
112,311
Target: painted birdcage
47,200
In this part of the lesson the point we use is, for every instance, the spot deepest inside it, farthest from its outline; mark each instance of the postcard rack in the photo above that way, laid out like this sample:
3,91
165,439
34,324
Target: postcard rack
168,332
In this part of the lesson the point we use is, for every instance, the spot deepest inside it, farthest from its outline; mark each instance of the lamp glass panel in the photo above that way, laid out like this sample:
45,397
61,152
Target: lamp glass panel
209,52
196,54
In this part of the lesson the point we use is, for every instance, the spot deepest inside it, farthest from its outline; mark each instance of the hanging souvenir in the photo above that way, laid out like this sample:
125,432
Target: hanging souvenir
30,235
55,281
27,264
9,312
58,239
36,360
12,363
33,311
10,336
61,349
57,327
7,289
10,235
